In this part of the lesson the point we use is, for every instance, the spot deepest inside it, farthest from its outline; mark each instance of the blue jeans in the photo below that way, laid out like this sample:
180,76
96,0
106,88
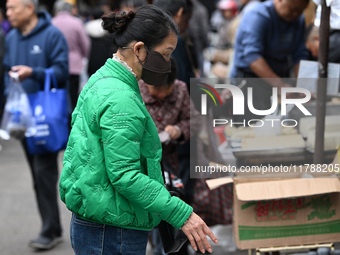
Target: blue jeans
99,239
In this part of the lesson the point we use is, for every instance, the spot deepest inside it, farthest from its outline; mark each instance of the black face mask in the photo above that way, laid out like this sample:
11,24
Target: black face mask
155,68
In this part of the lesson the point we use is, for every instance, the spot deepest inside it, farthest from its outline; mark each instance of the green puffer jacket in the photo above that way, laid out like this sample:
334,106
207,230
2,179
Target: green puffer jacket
111,170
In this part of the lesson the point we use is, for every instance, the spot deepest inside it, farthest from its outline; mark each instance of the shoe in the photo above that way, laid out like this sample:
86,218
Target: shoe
45,243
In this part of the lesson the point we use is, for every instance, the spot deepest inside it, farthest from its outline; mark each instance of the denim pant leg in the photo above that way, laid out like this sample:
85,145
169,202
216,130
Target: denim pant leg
44,170
99,239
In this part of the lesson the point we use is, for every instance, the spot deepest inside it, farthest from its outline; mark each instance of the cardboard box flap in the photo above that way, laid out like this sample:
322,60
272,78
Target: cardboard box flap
267,190
215,183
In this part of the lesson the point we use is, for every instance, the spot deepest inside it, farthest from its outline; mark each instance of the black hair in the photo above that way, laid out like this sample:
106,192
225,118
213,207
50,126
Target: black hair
170,7
148,24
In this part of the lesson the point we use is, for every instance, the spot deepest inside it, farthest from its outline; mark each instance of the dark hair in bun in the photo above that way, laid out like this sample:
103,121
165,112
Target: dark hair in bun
148,24
114,22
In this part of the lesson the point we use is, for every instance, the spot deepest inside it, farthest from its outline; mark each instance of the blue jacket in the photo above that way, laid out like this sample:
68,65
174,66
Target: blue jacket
42,48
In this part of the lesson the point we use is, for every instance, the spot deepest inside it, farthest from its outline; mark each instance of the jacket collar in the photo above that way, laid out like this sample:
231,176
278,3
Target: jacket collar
117,70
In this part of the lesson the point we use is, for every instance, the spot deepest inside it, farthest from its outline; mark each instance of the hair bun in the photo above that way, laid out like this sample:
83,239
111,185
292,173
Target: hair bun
114,22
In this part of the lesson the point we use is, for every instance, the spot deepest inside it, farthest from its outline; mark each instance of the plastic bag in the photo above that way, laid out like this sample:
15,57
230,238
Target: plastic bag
17,121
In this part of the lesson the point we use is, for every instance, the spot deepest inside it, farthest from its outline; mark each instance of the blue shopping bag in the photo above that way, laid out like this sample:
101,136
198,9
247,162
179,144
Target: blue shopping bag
50,110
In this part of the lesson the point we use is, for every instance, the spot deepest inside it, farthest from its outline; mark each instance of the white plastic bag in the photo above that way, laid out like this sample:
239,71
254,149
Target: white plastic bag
17,120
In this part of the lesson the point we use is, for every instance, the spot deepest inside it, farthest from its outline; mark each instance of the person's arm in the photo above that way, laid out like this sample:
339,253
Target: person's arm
23,71
263,70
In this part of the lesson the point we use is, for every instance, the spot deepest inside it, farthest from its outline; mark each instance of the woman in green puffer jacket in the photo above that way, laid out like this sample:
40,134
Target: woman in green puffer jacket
111,178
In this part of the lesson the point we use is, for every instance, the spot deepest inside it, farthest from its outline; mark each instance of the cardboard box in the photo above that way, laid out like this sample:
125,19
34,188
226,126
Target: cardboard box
284,212
270,213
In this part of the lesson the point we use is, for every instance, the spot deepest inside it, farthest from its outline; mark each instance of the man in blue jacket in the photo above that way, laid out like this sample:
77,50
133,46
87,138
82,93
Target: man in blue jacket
32,46
269,44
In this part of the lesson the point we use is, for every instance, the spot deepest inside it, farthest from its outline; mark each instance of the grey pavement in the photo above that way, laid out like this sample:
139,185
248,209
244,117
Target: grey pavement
19,218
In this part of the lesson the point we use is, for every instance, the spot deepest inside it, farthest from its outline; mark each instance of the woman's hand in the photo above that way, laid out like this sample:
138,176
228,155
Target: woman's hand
196,230
173,131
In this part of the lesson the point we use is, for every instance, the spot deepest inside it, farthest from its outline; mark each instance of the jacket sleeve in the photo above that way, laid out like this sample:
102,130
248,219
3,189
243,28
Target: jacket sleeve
123,126
57,58
253,30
